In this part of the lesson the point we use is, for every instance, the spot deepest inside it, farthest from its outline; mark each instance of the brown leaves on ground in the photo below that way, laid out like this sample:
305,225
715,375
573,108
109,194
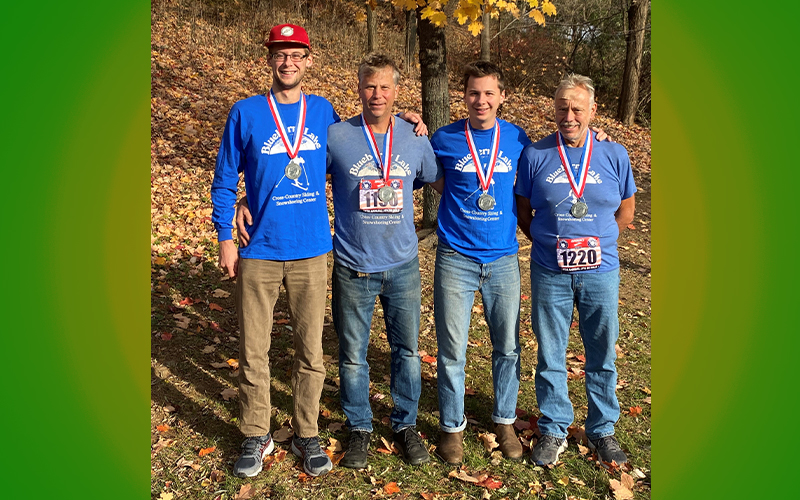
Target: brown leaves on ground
391,488
229,393
388,448
623,489
245,492
283,434
205,451
478,479
489,441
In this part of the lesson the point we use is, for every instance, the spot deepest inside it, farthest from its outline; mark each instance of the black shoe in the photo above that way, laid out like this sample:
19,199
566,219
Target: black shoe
411,446
547,450
608,450
356,455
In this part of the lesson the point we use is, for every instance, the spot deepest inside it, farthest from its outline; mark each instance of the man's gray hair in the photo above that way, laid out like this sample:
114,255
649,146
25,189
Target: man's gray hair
572,80
375,62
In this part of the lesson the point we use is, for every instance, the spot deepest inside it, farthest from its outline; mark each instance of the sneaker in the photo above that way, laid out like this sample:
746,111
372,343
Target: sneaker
254,449
547,450
411,446
608,450
356,455
315,461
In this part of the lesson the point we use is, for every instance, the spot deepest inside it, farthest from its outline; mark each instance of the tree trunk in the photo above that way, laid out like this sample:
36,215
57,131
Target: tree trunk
370,30
435,97
486,38
629,97
411,38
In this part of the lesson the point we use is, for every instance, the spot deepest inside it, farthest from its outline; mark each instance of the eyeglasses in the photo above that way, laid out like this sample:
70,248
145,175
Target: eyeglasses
280,57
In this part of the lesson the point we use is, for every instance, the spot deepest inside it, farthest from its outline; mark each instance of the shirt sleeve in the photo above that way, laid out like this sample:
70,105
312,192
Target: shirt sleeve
429,169
230,161
627,185
524,176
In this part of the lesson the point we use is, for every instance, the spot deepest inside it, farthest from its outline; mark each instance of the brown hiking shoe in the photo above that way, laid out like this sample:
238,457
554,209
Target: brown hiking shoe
451,449
508,441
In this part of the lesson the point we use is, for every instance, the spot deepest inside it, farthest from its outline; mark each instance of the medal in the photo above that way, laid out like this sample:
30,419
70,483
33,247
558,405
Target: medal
579,209
485,200
293,169
384,161
385,194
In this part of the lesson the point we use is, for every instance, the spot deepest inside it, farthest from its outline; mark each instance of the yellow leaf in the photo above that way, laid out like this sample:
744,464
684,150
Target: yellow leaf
475,27
436,17
537,16
548,8
533,3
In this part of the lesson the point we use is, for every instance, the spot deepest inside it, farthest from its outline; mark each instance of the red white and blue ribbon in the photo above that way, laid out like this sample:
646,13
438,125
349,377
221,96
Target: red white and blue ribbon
294,149
383,160
586,157
483,179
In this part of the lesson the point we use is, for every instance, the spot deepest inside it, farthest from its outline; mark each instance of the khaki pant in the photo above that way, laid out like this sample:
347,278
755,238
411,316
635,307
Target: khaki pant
257,289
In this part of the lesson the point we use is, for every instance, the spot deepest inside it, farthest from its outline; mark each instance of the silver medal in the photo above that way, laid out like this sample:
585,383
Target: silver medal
385,194
293,170
579,209
485,202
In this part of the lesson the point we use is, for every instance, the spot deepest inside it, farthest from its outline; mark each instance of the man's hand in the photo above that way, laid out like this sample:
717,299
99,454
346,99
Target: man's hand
624,214
411,117
243,215
229,258
601,135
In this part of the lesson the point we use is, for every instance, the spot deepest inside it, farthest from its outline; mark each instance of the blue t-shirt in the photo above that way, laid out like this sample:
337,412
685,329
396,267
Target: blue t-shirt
290,217
543,181
375,241
483,236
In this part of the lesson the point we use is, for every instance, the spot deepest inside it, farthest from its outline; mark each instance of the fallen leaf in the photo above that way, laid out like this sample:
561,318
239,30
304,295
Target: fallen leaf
581,358
583,450
469,391
217,476
215,307
521,425
283,434
166,336
282,322
635,411
646,400
209,349
325,413
631,226
220,365
164,494
162,443
429,359
391,488
245,492
229,393
162,428
491,483
220,293
489,441
621,492
187,301
206,451
463,476
335,426
563,481
182,462
377,396
233,363
335,445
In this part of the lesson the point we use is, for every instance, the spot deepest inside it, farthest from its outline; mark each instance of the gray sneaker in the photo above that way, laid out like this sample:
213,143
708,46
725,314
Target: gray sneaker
608,450
254,449
547,450
315,461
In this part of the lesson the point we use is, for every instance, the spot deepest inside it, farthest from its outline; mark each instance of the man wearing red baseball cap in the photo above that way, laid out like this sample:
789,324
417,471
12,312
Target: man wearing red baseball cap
278,140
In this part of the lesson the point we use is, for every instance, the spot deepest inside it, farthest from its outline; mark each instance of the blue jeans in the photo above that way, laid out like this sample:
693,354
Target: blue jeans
456,280
353,302
596,296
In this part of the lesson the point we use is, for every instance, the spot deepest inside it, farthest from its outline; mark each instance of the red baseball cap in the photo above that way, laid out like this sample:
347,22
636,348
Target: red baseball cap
288,33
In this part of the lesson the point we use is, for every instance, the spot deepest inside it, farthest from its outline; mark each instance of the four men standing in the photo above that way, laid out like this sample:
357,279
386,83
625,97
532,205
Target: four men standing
279,142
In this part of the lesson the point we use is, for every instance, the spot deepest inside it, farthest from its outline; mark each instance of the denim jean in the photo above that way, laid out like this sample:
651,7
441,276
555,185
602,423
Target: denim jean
456,280
353,303
554,295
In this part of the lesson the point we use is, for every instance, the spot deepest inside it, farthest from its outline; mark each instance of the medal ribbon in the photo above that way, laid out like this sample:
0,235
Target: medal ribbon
385,160
301,125
484,180
586,157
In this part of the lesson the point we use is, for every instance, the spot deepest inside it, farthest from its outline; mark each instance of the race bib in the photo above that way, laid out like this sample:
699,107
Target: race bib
369,201
578,254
